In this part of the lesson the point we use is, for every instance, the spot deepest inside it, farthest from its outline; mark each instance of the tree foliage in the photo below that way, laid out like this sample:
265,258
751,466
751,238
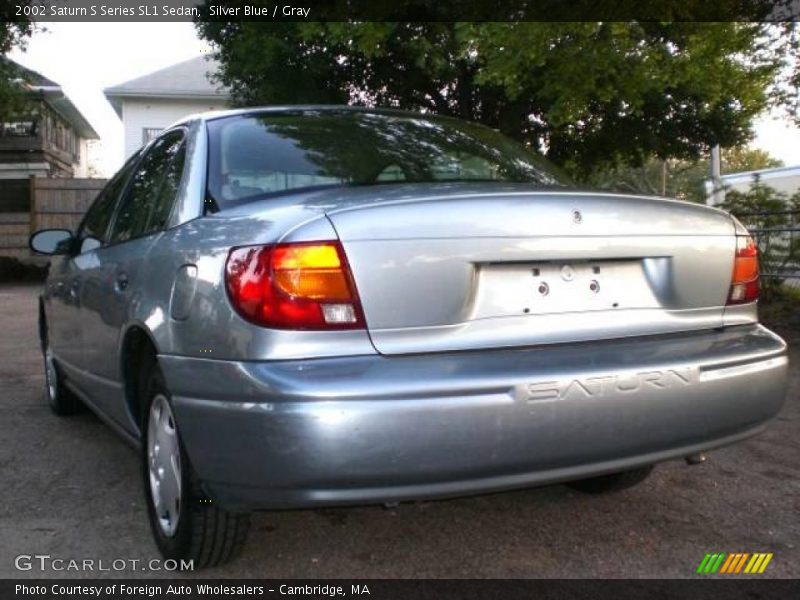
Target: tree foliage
589,94
12,33
743,158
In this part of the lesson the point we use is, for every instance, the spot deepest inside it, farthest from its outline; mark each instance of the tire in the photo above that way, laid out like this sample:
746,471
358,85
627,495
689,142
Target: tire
187,526
61,400
613,482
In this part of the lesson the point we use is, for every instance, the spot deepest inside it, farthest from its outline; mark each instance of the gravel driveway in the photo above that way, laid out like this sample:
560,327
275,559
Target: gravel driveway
71,489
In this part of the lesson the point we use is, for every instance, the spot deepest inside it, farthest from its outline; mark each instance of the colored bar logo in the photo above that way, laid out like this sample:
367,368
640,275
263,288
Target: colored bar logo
732,564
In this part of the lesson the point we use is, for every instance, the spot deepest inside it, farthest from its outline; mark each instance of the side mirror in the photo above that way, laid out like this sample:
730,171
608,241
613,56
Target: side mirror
52,241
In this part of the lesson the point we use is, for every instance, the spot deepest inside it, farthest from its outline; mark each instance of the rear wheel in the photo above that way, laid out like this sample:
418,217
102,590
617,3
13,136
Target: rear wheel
613,482
185,523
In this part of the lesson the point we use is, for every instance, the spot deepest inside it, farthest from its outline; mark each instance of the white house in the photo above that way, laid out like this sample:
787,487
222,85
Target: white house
152,102
782,179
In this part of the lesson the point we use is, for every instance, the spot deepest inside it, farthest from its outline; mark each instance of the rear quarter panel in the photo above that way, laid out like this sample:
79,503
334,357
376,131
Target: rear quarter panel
212,328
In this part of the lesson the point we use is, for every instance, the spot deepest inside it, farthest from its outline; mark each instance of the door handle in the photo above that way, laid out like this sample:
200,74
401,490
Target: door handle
122,282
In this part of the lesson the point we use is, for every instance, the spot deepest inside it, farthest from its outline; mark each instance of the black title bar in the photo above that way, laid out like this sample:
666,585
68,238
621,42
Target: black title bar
401,10
732,588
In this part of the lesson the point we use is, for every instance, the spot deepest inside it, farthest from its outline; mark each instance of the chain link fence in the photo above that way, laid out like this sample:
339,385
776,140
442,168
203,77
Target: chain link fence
777,234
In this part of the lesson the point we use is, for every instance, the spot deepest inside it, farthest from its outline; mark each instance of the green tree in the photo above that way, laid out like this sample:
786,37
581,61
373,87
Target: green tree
12,33
588,94
744,158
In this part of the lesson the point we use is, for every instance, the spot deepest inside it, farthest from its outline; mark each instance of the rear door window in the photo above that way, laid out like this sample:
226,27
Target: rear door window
139,213
169,188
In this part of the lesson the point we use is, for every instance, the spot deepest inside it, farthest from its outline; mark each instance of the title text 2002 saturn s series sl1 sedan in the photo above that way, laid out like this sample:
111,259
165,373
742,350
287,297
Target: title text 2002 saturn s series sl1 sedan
308,306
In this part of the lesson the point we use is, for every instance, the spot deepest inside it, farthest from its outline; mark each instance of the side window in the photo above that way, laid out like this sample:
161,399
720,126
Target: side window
139,201
169,189
95,223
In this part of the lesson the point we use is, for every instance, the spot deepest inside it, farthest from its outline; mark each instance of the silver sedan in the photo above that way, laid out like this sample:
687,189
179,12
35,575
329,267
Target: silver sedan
310,306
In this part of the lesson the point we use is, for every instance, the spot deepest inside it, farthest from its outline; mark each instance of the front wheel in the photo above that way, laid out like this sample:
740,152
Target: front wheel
61,400
613,482
186,525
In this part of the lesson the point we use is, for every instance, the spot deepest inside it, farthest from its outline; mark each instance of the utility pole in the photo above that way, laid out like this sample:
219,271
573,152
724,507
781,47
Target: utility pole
717,192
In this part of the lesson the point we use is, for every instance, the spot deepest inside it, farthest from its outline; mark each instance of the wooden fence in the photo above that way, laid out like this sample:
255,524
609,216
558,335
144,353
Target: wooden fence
47,204
15,228
61,203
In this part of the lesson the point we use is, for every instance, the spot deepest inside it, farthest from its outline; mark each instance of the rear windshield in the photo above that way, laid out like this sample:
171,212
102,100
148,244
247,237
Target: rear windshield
254,156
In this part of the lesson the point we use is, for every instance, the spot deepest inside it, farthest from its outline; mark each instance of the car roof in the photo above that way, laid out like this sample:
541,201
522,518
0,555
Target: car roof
293,108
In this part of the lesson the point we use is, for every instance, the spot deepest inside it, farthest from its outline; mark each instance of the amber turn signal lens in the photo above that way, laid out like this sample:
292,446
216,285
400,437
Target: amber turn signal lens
312,271
745,265
744,281
314,284
306,256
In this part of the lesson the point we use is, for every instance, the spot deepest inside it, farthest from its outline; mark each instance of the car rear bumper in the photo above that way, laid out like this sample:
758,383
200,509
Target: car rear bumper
378,429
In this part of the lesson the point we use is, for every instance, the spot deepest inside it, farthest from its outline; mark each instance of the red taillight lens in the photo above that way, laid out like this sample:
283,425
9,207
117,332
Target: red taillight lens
744,282
306,285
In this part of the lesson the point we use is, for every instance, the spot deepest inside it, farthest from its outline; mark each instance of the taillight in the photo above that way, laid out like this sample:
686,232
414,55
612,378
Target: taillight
305,285
744,283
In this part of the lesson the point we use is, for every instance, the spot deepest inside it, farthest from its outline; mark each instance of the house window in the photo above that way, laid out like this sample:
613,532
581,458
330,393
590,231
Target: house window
150,133
18,129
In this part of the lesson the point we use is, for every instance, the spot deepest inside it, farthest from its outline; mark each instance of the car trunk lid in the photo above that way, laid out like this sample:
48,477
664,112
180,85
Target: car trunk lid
463,271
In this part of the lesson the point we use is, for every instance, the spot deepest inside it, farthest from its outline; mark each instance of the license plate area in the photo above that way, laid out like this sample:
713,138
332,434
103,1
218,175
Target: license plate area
547,287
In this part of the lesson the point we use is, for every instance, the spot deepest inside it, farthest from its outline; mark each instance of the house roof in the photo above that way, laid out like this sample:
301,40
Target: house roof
52,93
765,174
188,79
29,76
